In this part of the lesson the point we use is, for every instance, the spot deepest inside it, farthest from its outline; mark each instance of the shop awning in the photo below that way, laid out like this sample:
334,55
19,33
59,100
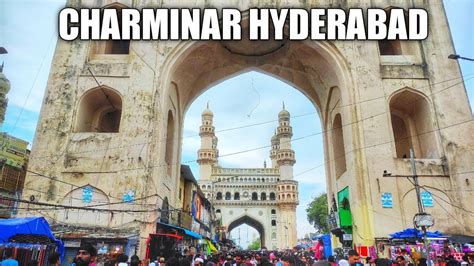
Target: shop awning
181,230
192,234
27,226
414,233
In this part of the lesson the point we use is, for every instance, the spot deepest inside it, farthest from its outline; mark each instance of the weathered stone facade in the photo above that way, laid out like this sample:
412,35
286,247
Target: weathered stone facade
264,198
372,106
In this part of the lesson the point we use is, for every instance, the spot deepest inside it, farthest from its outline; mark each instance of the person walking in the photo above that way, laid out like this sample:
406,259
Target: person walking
53,259
85,255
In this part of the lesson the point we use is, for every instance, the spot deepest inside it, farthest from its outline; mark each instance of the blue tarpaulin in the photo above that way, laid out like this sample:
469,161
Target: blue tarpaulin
29,226
414,233
326,238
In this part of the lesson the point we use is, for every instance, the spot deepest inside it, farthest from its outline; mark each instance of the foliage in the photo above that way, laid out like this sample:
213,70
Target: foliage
255,244
317,213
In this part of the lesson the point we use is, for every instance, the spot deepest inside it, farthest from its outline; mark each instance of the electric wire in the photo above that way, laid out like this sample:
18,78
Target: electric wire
57,180
34,83
463,80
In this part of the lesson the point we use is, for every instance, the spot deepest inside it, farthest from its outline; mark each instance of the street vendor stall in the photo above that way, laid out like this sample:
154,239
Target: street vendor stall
30,238
411,241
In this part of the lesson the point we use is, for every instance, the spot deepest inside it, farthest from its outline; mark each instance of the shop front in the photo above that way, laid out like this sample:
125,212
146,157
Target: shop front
170,239
108,249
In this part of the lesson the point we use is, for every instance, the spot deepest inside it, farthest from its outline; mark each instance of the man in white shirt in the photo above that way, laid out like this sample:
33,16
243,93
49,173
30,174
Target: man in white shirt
353,258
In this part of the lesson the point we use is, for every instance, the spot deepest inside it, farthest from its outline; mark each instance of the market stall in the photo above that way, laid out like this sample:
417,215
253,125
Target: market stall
30,238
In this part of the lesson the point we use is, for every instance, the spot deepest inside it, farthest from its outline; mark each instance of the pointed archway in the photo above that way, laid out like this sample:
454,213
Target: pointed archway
252,223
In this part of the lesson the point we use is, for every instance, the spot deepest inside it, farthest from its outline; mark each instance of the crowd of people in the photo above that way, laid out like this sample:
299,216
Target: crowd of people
86,257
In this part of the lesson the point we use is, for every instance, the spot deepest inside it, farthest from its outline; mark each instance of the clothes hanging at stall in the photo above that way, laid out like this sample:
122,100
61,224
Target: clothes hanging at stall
26,252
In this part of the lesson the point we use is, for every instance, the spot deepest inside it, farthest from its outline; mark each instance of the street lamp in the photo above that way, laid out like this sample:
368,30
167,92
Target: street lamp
456,56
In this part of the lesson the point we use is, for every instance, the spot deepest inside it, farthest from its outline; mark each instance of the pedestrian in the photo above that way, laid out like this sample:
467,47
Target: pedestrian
53,259
122,260
401,261
161,261
198,262
465,260
9,261
135,261
85,255
332,260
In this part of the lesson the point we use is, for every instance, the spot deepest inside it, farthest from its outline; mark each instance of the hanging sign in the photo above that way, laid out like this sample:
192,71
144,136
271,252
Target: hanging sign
427,199
87,194
387,201
129,196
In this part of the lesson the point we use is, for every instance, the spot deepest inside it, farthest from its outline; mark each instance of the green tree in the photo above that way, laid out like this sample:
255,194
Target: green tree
255,244
317,213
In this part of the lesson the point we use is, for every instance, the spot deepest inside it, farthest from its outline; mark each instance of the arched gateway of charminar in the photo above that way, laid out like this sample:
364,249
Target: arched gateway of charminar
374,99
264,198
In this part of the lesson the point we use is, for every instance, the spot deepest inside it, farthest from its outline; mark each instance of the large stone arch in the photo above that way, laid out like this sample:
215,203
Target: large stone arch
252,222
313,68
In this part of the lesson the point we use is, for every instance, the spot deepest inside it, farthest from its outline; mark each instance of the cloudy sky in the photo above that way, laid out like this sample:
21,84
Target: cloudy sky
28,30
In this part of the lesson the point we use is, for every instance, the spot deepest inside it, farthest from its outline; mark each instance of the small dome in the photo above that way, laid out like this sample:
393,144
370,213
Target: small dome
207,111
275,139
283,114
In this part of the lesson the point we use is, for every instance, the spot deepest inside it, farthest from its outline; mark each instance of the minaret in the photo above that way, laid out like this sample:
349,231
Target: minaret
4,88
287,191
285,155
208,153
274,150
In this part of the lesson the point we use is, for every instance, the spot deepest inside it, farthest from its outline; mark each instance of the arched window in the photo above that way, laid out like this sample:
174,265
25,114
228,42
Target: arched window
274,222
218,211
100,110
254,196
169,142
288,196
86,196
390,47
274,211
227,196
236,196
112,46
219,196
272,196
339,152
263,196
412,125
